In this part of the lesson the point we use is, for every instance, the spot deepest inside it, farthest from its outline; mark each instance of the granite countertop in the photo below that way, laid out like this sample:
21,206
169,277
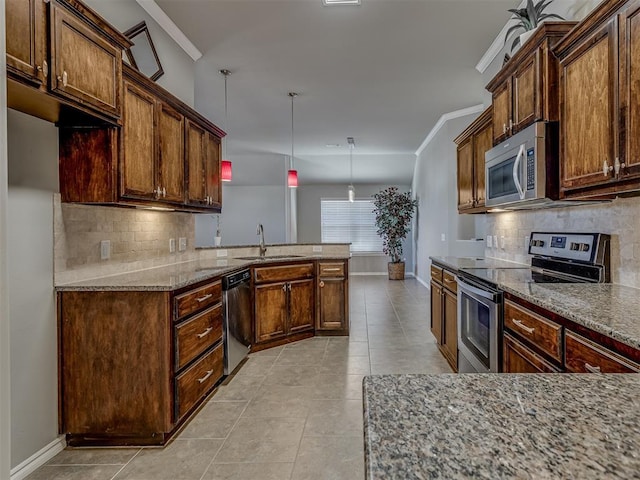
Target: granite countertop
179,275
502,426
458,263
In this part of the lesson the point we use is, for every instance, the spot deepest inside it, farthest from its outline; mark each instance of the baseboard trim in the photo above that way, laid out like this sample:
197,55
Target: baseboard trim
35,461
364,274
426,284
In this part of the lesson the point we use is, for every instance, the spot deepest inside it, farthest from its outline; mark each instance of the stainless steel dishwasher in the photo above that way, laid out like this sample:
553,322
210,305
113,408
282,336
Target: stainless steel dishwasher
236,300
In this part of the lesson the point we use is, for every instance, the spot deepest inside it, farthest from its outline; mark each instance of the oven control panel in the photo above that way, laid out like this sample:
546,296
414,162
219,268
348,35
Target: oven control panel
583,247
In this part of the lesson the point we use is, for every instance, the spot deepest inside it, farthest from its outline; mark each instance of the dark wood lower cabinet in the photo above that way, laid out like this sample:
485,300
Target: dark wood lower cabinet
444,313
450,331
517,358
332,304
436,311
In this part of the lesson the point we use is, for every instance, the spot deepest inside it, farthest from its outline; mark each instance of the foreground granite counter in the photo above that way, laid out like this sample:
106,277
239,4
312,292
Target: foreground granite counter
178,275
502,426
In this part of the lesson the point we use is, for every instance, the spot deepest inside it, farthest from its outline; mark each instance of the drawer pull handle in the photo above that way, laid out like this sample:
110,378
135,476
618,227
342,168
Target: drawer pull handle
203,298
203,379
591,368
205,333
330,269
521,325
446,280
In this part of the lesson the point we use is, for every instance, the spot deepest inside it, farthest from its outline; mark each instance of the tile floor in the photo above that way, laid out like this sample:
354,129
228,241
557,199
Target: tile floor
291,412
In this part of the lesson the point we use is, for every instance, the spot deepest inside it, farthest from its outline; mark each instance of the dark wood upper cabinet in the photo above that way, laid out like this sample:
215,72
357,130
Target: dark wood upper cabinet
525,89
64,62
599,93
473,143
163,150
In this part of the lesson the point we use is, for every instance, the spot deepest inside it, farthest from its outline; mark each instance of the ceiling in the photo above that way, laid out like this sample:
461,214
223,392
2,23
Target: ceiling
383,73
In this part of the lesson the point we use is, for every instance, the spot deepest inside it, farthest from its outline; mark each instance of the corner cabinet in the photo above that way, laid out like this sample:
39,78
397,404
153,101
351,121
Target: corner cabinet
64,62
525,89
599,120
284,302
134,365
473,143
332,306
165,154
444,313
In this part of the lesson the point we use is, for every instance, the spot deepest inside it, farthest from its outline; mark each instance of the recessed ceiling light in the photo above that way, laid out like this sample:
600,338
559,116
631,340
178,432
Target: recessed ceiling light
332,145
332,3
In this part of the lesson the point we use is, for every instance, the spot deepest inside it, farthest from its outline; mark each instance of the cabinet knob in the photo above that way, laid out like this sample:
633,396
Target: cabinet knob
44,69
606,168
618,167
321,284
164,192
504,128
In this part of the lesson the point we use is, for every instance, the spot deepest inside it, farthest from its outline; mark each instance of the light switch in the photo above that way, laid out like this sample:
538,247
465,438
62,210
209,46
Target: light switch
443,237
221,253
172,245
495,241
489,241
105,250
502,242
317,248
182,244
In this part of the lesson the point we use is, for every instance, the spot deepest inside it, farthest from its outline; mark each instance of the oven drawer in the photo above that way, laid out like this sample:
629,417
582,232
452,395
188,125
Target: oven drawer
584,356
198,380
539,331
449,281
436,273
197,334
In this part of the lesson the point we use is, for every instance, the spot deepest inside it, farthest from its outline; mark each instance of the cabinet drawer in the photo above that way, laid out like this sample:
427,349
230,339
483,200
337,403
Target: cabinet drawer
584,356
516,358
331,269
543,333
197,380
198,299
197,334
283,273
449,281
436,273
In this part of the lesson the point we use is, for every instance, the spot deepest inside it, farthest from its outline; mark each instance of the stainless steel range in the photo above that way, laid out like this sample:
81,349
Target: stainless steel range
557,258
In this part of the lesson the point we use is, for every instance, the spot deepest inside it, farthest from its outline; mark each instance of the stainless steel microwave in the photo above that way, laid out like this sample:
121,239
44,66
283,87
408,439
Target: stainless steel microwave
522,172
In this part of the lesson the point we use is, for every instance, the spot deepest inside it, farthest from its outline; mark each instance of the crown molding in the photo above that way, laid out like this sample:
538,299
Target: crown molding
444,119
154,10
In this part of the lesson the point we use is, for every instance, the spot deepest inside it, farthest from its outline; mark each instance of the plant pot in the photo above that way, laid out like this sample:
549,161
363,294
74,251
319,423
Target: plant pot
396,270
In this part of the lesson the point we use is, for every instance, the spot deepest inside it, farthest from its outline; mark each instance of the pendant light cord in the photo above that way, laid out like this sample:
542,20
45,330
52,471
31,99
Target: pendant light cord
226,73
292,95
351,164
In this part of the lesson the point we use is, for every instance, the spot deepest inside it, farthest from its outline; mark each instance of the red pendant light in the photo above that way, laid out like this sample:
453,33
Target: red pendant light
225,165
292,178
225,171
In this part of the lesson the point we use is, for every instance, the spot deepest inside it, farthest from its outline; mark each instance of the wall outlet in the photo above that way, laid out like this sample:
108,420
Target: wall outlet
317,248
182,244
489,241
172,245
105,250
443,237
495,241
221,253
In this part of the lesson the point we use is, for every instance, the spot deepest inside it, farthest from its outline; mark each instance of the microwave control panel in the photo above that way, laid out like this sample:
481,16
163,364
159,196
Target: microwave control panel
531,169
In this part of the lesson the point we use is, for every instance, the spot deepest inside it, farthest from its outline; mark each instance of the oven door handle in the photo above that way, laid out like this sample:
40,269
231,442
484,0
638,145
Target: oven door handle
516,172
494,297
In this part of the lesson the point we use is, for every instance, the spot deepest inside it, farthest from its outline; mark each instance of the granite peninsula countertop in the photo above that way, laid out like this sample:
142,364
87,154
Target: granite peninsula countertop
502,426
179,275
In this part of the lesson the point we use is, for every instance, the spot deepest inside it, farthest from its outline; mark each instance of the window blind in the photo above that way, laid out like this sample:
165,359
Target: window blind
354,222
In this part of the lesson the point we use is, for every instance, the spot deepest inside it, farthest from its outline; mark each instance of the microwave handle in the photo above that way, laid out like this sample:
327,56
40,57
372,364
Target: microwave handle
516,172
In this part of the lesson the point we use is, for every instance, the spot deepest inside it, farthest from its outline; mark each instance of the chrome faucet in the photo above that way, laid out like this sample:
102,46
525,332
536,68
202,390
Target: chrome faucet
260,232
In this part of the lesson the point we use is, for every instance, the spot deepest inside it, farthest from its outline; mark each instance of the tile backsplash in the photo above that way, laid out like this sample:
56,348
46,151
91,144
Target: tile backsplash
139,238
619,218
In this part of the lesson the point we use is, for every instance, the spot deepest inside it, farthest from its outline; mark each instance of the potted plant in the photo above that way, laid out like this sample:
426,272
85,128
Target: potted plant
393,211
528,19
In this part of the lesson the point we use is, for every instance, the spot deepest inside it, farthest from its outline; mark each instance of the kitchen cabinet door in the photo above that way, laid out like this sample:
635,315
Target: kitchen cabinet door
436,311
26,39
450,332
85,67
525,92
630,92
332,312
517,358
139,166
270,311
212,170
465,175
588,117
501,112
301,305
482,142
171,158
195,161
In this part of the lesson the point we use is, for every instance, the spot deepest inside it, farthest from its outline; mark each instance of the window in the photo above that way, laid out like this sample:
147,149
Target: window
354,222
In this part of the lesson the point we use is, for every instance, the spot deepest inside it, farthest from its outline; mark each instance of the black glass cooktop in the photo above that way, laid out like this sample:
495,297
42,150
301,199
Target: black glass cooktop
525,275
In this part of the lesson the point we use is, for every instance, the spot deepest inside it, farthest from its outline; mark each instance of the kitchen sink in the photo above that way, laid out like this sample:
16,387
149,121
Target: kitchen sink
267,257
